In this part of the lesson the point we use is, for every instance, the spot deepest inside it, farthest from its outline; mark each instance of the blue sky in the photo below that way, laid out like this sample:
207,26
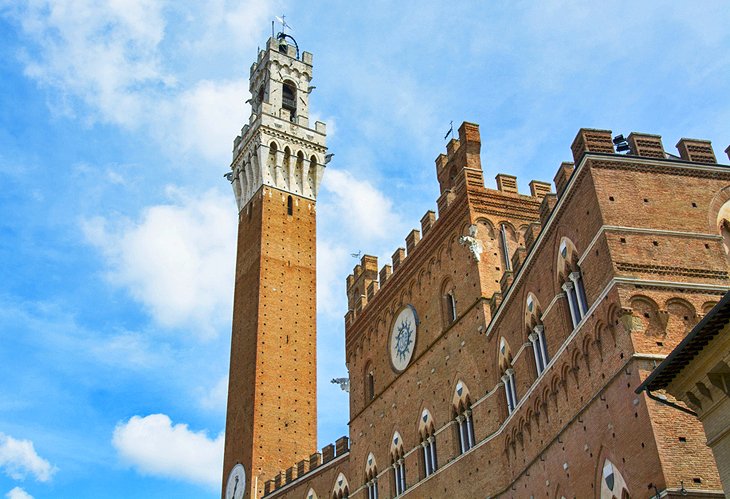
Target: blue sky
117,229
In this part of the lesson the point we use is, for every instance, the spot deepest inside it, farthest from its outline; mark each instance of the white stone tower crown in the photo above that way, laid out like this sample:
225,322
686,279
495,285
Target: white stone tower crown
278,148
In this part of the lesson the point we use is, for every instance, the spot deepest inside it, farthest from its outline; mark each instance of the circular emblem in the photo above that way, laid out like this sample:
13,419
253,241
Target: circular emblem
236,482
403,338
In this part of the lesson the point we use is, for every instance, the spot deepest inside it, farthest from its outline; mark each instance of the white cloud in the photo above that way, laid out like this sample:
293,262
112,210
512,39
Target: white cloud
370,214
135,63
216,397
203,119
18,459
18,493
154,446
177,259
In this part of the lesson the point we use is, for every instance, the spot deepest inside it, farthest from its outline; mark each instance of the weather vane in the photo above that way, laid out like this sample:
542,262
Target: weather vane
284,25
451,131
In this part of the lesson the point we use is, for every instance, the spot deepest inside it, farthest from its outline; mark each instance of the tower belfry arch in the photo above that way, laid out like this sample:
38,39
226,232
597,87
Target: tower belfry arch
277,167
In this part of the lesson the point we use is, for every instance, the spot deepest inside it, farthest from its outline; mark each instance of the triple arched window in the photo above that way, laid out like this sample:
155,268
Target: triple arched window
572,279
536,333
428,443
398,463
463,418
371,477
508,375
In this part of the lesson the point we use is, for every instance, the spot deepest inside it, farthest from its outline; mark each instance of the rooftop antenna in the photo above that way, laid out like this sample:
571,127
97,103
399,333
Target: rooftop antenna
451,131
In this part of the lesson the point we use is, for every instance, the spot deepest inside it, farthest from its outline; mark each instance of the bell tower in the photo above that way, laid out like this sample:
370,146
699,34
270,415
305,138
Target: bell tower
277,167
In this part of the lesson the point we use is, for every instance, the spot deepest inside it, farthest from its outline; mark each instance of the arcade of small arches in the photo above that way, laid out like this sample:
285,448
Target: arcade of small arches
285,169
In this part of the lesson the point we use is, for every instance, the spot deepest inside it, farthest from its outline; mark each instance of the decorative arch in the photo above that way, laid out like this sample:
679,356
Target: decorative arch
647,312
508,374
298,174
311,494
570,278
612,483
287,168
397,458
271,160
462,413
536,333
567,259
427,433
681,317
425,423
341,488
371,477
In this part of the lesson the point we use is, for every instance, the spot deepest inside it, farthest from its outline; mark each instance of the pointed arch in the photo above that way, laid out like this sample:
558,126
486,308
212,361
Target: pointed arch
341,488
461,409
311,494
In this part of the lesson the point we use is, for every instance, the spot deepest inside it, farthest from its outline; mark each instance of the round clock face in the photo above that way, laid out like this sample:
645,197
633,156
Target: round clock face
403,338
236,483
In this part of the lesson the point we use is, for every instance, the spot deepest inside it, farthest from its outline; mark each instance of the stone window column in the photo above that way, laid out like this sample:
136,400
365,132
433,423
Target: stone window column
469,428
580,293
536,352
572,306
432,446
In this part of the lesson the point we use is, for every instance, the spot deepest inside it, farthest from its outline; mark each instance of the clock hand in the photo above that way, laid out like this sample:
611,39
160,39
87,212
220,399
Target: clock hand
234,489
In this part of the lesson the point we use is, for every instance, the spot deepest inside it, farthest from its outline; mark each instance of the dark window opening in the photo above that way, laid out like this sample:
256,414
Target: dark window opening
288,98
371,386
289,206
450,308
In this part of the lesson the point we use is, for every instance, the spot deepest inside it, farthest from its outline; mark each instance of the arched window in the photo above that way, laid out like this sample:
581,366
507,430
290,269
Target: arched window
508,375
461,404
572,279
536,335
289,98
613,485
311,494
448,296
398,462
289,206
450,307
428,443
371,477
369,383
341,490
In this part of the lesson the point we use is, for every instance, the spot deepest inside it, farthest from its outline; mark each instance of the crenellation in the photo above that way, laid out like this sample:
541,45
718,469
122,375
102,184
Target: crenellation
546,207
506,281
342,446
328,453
533,230
373,288
696,150
412,240
562,176
591,140
539,189
494,302
506,183
646,145
398,257
429,219
518,258
385,274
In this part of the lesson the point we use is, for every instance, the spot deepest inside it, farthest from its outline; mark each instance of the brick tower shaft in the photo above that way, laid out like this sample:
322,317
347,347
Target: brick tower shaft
278,163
